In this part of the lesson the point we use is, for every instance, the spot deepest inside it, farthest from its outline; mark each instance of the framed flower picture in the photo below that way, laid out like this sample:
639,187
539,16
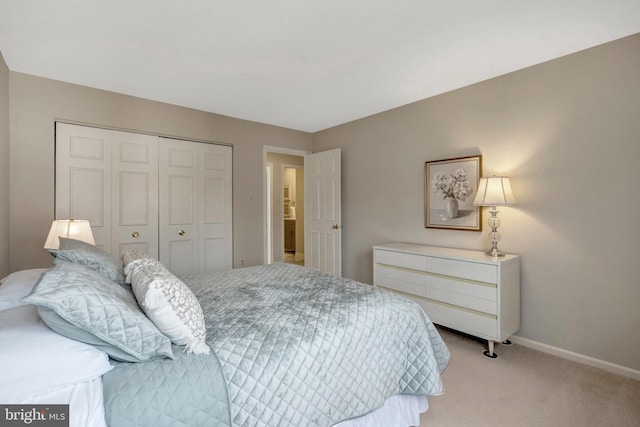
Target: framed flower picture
449,189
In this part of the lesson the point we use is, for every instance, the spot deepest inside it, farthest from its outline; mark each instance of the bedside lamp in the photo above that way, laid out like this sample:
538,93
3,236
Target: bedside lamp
77,229
494,191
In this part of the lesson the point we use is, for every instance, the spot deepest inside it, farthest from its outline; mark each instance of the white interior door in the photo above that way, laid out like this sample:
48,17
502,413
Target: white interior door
322,212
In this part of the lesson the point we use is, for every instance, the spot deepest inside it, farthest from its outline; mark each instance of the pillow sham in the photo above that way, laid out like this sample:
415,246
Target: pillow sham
35,360
77,251
67,329
18,285
91,304
131,257
170,305
68,243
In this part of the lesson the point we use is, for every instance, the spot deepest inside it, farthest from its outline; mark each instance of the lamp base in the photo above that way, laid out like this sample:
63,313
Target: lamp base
494,253
494,223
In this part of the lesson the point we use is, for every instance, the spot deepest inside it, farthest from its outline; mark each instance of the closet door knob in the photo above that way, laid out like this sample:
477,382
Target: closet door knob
181,232
135,234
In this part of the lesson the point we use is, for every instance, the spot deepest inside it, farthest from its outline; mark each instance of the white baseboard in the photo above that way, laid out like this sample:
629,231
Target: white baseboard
577,357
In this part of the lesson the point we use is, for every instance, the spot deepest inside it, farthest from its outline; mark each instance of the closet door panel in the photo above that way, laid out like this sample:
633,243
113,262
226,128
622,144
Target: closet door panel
135,203
83,178
86,195
178,227
181,199
212,248
215,216
180,256
214,200
134,209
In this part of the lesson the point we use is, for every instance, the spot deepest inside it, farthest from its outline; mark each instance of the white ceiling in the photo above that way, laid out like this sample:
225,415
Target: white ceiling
301,64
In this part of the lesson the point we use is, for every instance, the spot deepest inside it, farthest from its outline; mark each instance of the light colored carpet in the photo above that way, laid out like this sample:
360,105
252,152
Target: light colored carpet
524,387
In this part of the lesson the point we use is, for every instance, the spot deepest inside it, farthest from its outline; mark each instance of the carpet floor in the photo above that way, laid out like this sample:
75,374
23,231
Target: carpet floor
525,387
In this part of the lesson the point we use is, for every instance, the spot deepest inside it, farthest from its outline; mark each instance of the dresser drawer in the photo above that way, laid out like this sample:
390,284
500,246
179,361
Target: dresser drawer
466,294
410,282
399,259
463,269
461,320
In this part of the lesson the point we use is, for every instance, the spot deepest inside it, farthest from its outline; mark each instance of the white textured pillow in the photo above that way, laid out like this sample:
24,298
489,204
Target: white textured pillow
132,257
170,305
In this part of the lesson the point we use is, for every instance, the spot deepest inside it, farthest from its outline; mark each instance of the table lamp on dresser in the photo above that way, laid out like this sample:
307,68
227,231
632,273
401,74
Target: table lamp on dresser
494,191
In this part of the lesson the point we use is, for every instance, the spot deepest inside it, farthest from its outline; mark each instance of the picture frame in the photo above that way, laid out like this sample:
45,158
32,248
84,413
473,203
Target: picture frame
449,189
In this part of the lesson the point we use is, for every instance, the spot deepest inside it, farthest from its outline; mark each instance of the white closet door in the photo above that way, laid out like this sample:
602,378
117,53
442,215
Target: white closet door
215,209
178,201
167,197
195,206
83,178
135,193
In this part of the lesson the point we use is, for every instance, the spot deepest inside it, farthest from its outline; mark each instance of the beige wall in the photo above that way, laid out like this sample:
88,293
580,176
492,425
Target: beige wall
568,133
4,168
35,103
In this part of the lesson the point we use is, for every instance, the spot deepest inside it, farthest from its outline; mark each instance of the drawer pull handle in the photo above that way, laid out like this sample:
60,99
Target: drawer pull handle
135,234
181,233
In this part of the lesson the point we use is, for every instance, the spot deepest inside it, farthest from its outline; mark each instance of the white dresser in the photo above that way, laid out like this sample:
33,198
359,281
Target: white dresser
461,289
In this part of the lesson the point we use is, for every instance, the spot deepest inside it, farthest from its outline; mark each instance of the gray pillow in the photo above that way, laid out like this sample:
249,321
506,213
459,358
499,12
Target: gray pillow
67,243
94,310
69,330
77,251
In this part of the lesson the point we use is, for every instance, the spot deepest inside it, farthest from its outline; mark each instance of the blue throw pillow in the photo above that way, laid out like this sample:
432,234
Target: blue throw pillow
82,304
77,251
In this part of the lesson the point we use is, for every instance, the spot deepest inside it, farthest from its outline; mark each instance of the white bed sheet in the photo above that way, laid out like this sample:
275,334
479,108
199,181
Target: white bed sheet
86,405
397,411
36,360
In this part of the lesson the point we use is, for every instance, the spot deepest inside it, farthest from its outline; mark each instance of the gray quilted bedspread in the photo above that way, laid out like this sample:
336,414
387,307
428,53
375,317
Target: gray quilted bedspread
295,347
303,348
188,391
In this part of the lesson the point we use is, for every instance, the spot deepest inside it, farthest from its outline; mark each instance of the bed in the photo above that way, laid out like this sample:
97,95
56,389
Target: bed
273,345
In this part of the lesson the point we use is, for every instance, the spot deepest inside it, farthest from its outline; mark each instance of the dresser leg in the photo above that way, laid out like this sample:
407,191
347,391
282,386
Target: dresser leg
490,353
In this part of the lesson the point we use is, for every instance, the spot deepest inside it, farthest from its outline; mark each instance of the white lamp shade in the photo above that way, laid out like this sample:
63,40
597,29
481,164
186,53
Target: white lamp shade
494,191
77,229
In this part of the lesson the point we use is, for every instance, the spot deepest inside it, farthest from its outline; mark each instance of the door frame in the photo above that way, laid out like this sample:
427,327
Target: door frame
268,197
265,226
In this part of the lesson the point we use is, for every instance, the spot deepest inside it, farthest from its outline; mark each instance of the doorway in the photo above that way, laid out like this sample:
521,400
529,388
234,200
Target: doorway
293,211
284,205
